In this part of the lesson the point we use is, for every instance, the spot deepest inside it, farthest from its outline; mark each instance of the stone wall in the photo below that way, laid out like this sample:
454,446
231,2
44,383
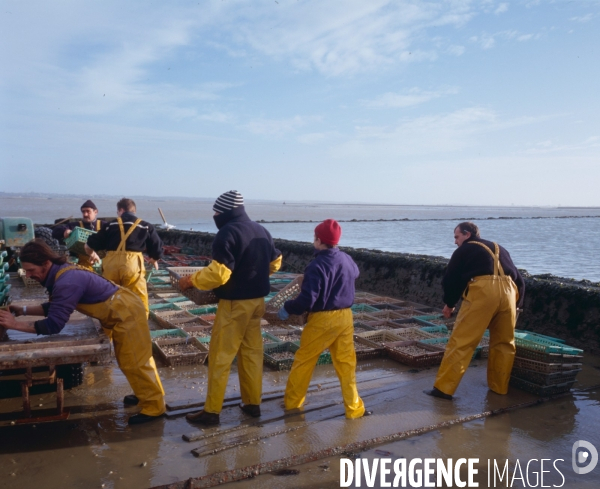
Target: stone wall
557,307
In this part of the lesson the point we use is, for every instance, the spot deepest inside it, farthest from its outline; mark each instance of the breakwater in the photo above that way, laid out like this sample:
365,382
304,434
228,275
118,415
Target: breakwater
553,306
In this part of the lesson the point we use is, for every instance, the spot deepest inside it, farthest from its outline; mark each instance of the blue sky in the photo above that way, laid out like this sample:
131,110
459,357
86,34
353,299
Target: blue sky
405,102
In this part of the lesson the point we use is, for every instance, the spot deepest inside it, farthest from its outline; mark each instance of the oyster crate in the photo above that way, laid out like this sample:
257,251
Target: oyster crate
196,331
540,390
164,318
279,363
167,333
200,297
381,325
360,327
545,350
366,349
201,311
178,352
414,334
29,282
425,355
539,378
278,328
283,336
360,307
289,292
443,343
381,315
380,299
387,306
76,241
380,337
440,328
361,297
409,323
286,363
546,368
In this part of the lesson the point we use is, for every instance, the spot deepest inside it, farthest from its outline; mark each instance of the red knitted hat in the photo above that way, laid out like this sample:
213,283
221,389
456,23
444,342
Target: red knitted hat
329,232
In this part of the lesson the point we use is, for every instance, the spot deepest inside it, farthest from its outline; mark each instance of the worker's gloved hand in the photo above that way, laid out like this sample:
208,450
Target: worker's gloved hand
185,283
283,314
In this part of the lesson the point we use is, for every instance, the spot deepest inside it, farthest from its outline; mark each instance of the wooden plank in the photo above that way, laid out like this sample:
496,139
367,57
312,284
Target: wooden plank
57,356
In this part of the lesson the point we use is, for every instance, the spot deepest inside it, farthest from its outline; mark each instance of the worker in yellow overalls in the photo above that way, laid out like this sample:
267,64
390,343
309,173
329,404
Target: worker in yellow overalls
89,221
492,289
118,310
243,257
124,240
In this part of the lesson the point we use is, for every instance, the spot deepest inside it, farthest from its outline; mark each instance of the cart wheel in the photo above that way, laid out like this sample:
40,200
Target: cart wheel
71,374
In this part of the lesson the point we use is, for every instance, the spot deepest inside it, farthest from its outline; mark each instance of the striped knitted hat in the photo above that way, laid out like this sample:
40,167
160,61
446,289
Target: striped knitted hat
227,201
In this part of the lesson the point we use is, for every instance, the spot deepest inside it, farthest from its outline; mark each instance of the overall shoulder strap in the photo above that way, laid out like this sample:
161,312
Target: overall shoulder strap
498,270
125,236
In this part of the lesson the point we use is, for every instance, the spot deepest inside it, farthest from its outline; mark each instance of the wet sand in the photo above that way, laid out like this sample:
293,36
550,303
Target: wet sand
96,447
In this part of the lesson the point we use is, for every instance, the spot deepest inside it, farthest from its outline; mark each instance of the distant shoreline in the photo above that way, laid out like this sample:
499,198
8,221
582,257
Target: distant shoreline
406,219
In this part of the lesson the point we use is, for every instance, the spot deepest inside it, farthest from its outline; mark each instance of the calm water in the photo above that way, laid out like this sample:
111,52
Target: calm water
567,247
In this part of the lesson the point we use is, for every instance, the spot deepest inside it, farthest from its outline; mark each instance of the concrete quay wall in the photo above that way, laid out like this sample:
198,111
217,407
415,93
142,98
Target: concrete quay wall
553,306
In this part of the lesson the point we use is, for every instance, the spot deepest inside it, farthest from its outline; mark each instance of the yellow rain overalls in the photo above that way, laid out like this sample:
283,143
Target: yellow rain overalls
84,260
126,268
333,330
123,315
236,331
488,301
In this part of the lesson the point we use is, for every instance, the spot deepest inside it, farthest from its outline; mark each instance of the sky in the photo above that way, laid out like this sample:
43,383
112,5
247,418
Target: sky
401,102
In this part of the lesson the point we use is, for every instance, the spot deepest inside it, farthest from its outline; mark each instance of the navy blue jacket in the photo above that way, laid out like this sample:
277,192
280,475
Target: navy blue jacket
247,249
328,283
469,261
143,239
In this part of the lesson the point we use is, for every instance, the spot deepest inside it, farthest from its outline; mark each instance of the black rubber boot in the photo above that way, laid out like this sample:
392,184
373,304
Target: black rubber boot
208,419
435,392
251,409
142,418
130,400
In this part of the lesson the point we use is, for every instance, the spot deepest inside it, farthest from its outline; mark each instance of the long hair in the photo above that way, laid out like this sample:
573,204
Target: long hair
37,252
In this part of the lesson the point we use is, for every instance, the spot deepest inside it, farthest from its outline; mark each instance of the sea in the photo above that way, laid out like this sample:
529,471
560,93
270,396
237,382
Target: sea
562,241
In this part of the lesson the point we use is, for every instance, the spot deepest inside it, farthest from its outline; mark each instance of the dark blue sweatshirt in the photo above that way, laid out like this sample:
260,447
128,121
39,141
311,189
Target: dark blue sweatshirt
328,283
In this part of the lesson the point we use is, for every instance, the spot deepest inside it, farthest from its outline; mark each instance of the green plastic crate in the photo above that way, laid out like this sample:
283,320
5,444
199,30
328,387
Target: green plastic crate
76,241
211,309
356,308
168,333
543,345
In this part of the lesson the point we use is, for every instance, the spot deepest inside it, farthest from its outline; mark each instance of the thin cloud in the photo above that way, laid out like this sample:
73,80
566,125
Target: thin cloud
503,7
410,98
277,127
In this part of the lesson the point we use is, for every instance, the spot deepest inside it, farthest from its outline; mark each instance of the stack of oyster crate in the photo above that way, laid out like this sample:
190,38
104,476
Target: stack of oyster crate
544,365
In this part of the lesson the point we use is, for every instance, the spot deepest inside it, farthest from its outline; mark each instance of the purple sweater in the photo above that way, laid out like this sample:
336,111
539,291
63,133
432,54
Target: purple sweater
73,287
328,283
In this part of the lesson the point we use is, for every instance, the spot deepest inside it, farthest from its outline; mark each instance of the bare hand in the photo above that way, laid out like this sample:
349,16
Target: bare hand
185,283
154,263
94,258
7,320
447,311
67,233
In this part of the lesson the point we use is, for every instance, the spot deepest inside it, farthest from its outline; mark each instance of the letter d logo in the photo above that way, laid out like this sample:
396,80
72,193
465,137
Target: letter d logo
583,456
